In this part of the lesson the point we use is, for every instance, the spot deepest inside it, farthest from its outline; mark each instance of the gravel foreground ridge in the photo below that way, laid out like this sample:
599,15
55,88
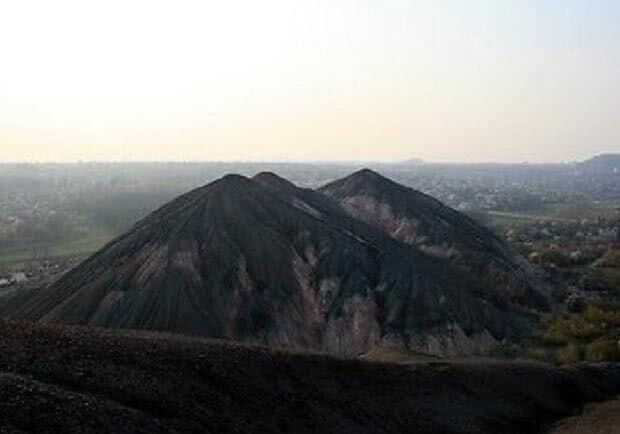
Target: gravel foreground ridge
79,379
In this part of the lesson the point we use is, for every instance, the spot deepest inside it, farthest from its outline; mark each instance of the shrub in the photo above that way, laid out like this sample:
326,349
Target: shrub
505,351
603,351
572,327
603,317
555,257
571,353
537,354
559,294
610,259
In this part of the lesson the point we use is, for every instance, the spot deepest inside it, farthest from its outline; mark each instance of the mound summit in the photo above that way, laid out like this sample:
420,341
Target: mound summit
262,261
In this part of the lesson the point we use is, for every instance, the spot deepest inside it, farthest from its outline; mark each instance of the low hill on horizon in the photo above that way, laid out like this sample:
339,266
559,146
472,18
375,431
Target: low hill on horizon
602,163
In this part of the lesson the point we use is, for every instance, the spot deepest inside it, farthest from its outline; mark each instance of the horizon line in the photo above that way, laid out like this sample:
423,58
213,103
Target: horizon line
406,162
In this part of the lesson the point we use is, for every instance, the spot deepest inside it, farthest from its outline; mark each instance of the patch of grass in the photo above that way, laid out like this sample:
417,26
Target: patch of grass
577,211
603,350
539,354
90,243
566,212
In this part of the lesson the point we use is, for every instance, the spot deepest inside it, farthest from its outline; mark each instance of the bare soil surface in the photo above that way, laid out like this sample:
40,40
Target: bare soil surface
79,379
598,418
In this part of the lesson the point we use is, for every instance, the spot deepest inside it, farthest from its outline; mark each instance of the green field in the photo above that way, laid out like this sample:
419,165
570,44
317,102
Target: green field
565,213
74,247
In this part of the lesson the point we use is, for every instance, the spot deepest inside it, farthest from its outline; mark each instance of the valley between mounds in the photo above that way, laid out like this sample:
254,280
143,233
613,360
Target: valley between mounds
76,379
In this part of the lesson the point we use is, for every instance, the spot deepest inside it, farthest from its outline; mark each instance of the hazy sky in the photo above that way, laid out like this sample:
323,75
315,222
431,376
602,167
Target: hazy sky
441,80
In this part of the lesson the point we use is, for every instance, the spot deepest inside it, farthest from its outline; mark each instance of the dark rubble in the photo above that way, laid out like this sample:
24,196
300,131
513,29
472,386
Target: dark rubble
78,379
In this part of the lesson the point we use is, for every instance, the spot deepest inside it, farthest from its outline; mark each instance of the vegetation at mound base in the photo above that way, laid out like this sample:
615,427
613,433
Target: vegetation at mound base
611,259
592,335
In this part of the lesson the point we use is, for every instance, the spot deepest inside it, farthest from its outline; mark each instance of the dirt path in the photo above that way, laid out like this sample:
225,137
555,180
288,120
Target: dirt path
600,418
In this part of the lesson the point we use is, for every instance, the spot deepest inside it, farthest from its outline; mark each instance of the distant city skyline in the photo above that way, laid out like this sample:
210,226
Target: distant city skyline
342,80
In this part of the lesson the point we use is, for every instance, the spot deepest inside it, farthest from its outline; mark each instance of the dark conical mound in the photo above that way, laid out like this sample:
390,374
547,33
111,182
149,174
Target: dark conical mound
422,221
270,179
367,183
260,260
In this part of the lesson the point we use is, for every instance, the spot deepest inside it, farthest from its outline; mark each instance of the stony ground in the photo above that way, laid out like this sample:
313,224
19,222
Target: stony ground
598,418
55,379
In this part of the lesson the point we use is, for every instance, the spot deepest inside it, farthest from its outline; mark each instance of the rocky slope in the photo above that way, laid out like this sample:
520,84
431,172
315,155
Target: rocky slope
260,260
78,379
422,221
